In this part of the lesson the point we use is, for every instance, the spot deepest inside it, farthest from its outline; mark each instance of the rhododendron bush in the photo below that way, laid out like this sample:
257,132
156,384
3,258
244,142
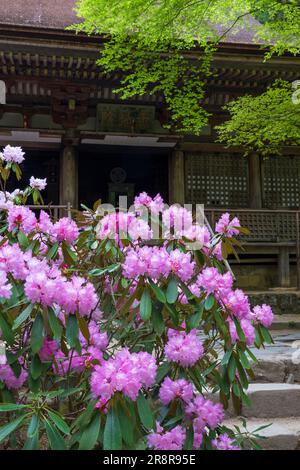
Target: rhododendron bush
114,339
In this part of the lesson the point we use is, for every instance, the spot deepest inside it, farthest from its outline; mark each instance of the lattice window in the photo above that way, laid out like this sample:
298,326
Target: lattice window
281,178
216,179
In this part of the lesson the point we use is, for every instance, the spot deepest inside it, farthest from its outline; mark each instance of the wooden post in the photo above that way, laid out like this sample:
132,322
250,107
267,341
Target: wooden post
255,181
284,267
68,193
176,177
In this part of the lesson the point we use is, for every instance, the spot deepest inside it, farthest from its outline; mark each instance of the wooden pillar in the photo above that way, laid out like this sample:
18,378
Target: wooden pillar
68,192
284,267
176,177
255,181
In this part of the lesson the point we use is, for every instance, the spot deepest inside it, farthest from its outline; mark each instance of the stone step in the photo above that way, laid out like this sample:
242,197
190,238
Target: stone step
279,362
282,434
282,301
286,322
273,400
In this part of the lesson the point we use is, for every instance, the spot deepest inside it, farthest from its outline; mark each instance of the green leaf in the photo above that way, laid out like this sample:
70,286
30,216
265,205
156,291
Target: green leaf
7,429
32,443
244,359
55,439
226,357
145,413
127,423
172,291
36,367
209,302
22,317
72,331
146,305
231,368
6,330
90,434
194,320
112,438
37,334
5,407
157,318
53,251
55,325
83,327
239,330
59,422
173,314
266,335
69,256
23,240
33,426
159,293
162,371
189,440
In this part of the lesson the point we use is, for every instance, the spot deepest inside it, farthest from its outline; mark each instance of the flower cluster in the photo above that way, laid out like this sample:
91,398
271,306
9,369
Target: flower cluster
175,389
167,440
120,224
228,227
157,262
12,154
224,442
144,201
184,348
126,373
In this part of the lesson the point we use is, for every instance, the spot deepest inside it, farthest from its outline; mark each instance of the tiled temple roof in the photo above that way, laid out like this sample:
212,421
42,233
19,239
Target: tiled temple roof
58,14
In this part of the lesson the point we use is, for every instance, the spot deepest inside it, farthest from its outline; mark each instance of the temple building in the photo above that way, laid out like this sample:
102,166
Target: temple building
62,109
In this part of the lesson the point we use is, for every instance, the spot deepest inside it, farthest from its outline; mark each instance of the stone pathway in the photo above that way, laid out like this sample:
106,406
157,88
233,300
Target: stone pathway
275,394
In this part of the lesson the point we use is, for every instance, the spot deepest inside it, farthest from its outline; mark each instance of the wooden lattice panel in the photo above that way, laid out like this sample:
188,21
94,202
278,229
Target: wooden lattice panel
281,182
216,180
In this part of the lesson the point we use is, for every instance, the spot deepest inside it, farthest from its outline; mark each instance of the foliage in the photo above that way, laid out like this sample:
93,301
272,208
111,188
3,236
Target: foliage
114,341
167,47
263,123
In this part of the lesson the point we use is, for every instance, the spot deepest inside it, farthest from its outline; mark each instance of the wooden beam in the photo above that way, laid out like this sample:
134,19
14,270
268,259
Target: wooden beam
255,181
284,267
176,177
68,187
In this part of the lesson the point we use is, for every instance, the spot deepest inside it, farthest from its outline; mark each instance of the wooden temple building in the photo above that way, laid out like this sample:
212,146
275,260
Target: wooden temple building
91,145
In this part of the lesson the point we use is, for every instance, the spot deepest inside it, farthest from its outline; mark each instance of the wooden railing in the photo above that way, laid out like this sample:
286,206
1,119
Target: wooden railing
55,211
267,227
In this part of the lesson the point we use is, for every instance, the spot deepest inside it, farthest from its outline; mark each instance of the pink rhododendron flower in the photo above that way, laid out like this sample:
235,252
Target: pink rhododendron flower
126,373
65,229
155,205
263,314
212,281
13,154
170,390
121,224
167,440
12,260
184,348
182,265
177,220
205,413
21,217
10,380
226,226
247,328
37,183
238,303
224,442
5,286
48,350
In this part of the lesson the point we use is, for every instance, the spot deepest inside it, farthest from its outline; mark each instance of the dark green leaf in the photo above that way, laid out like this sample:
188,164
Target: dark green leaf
157,318
6,330
37,334
90,434
112,438
145,412
159,293
59,422
172,291
54,437
22,317
5,407
146,305
33,426
55,325
35,367
7,429
53,251
72,331
209,302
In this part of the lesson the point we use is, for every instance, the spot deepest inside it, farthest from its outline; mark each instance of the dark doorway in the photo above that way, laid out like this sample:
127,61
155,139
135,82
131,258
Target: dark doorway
40,164
122,170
